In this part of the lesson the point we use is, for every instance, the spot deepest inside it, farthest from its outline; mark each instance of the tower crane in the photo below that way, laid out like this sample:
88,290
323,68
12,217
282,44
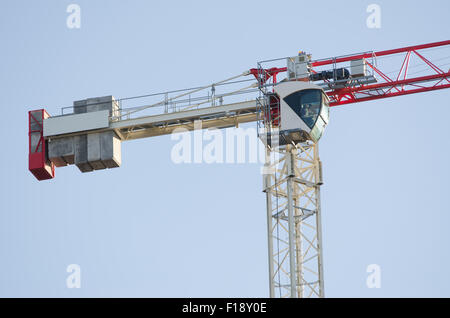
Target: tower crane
290,100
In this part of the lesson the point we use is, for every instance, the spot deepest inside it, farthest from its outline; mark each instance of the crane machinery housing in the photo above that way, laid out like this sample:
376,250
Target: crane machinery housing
291,115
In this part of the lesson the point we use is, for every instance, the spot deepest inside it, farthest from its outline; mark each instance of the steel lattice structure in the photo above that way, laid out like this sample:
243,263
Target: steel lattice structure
292,186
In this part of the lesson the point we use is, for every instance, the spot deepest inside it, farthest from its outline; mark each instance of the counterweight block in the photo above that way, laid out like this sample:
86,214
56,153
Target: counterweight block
90,151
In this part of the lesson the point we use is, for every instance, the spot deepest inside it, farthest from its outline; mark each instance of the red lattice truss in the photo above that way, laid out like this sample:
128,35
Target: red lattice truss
386,86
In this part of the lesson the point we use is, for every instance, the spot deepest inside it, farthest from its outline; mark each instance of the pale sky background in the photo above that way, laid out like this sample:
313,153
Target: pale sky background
156,229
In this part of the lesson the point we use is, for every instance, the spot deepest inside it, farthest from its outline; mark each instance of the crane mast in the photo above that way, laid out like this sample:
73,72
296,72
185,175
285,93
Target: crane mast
292,187
291,115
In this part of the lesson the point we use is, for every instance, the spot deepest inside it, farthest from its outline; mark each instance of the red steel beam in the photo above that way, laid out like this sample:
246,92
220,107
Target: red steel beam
380,53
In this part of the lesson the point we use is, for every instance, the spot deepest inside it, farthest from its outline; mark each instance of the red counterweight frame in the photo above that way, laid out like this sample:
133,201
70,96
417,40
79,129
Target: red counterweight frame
38,162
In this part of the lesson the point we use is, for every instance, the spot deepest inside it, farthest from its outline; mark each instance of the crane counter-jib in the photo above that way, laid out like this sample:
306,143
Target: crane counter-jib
100,121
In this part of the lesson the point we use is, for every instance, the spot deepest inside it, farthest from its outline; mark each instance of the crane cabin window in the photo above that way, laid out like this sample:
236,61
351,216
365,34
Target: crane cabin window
306,104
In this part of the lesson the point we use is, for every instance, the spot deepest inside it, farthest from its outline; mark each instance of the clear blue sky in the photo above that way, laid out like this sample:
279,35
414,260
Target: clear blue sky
154,228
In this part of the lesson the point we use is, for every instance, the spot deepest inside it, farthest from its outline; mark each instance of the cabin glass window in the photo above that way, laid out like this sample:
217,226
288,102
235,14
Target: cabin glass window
306,104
